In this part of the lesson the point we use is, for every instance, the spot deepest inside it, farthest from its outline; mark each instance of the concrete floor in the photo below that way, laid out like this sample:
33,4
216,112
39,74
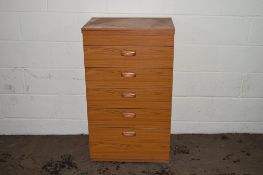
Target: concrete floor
228,154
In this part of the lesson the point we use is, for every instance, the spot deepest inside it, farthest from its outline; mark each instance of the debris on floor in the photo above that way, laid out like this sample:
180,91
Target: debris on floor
222,154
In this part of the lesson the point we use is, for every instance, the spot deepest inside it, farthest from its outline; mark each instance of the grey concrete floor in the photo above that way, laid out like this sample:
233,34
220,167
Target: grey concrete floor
225,154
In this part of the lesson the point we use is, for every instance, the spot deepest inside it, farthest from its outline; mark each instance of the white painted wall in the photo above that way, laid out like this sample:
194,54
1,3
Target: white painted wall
218,78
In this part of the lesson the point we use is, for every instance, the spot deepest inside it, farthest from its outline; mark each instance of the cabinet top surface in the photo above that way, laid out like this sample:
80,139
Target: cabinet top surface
129,24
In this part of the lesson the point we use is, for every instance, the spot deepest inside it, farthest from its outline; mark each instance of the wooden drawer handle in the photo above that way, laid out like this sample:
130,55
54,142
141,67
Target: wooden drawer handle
128,74
128,95
128,53
129,133
128,114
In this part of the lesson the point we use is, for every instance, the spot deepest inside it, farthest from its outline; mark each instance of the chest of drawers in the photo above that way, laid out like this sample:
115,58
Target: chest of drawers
128,69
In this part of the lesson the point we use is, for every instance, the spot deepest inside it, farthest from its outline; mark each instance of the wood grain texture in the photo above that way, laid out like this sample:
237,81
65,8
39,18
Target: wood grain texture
127,84
146,57
129,104
148,144
126,38
142,75
143,118
129,74
132,24
112,98
107,94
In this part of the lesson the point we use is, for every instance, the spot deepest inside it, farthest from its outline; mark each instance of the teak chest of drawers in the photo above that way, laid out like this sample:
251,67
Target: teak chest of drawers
129,72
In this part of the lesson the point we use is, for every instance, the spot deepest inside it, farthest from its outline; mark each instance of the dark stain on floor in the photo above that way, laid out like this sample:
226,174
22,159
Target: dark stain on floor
66,163
222,154
227,157
5,157
181,149
158,171
224,137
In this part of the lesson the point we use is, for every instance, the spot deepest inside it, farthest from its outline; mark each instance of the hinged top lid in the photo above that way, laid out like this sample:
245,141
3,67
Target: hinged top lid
165,24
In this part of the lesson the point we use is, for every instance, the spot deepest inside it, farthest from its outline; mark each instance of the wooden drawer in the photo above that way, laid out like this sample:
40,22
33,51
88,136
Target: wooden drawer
130,56
132,95
142,118
126,84
121,104
113,78
129,73
129,144
127,38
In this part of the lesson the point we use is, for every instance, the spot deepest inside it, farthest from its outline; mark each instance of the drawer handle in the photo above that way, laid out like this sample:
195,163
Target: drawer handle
129,133
128,53
128,95
128,114
128,74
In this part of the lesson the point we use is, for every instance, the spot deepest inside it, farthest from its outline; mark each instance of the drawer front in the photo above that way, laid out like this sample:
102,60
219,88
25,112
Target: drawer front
129,144
126,38
127,84
132,95
121,104
130,56
128,77
143,118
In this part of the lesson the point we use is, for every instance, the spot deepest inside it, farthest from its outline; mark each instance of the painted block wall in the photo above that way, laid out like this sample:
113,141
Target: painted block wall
218,76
